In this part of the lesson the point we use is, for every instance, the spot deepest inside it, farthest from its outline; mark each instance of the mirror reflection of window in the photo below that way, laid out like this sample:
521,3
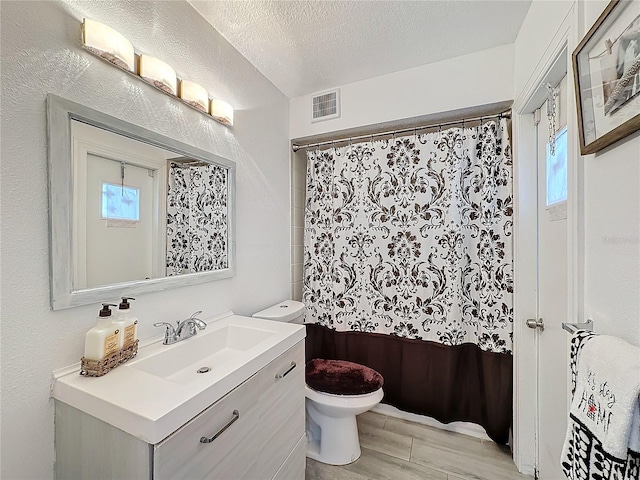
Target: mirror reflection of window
120,202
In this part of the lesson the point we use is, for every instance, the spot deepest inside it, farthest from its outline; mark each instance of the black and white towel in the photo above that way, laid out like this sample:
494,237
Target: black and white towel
603,431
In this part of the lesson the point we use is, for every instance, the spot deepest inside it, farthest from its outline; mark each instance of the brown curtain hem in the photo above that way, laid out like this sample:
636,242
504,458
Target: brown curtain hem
448,383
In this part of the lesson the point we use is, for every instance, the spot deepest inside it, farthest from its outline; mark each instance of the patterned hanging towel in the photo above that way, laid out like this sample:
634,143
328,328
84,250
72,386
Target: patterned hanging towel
603,431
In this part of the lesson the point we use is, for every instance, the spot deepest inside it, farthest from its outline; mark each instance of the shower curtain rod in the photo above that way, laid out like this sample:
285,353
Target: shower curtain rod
505,114
186,162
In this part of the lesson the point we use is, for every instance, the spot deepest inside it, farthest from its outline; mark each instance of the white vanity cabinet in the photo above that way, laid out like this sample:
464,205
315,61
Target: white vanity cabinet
258,428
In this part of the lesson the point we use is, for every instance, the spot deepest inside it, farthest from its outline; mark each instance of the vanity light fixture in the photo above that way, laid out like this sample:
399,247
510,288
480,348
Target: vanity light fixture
109,45
159,73
105,42
221,111
194,95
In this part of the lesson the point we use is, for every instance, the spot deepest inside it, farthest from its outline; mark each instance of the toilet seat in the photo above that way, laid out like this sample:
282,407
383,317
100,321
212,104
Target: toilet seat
340,377
346,402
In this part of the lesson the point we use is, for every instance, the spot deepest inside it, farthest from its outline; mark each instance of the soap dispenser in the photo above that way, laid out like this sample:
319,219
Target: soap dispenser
102,340
126,323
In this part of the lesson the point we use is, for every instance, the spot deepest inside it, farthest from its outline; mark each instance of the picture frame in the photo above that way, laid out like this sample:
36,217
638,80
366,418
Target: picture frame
606,68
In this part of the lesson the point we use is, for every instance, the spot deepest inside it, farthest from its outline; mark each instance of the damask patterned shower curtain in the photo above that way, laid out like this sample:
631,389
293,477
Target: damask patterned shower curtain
197,226
411,238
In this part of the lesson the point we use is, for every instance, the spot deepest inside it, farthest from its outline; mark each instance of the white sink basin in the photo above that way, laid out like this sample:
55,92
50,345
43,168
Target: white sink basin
157,392
181,362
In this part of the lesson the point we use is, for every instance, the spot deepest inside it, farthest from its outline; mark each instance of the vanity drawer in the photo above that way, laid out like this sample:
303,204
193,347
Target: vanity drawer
284,372
281,413
282,435
295,465
183,455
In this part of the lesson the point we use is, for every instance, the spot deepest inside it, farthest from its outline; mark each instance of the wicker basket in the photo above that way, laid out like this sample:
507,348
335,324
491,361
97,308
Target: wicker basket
128,352
94,368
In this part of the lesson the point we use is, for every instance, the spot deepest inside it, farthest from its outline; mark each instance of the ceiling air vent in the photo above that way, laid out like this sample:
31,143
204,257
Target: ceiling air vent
326,106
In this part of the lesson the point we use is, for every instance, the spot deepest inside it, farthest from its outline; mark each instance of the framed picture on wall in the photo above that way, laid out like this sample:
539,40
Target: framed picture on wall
606,67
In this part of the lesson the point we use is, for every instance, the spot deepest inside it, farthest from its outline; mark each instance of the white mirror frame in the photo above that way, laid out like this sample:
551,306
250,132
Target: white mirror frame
60,112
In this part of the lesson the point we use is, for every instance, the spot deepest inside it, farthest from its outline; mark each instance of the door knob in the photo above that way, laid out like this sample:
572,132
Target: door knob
533,323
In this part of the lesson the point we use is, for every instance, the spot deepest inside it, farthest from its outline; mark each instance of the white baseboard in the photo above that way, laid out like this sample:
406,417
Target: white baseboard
465,428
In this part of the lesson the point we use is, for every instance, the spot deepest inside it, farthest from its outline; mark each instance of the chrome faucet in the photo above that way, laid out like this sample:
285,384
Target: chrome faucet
181,332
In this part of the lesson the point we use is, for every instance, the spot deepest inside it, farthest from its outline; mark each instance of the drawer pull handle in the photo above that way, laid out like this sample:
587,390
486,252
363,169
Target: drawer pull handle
282,375
236,416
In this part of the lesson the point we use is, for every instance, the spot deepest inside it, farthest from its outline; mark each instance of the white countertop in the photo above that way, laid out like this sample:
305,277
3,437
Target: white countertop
150,407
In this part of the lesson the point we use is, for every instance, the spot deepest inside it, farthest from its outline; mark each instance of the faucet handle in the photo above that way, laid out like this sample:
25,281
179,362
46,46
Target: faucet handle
195,320
162,324
169,333
170,328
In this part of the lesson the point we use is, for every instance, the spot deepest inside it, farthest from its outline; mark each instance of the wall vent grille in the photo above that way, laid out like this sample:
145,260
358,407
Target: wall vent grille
326,106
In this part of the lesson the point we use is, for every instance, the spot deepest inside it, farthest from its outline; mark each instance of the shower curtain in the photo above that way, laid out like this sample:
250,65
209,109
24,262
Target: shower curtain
196,218
408,268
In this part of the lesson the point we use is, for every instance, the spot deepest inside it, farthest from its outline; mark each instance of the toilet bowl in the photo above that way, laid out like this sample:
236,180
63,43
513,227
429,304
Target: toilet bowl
332,431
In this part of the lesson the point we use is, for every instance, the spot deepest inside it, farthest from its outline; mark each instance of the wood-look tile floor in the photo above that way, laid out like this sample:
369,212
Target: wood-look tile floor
394,449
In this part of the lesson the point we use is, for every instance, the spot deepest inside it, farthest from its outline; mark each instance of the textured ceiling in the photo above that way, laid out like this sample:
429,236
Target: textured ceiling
309,46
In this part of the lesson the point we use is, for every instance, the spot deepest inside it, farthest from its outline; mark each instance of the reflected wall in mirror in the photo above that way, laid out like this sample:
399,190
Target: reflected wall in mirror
132,211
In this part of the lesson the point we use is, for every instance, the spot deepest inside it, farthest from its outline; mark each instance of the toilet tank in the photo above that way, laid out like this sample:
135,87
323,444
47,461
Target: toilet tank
289,311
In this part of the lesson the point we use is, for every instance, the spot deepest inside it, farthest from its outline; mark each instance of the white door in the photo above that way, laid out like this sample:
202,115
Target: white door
119,222
552,289
119,208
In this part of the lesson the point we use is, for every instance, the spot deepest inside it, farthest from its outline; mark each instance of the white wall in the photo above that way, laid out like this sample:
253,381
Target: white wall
538,29
612,229
611,189
468,81
40,54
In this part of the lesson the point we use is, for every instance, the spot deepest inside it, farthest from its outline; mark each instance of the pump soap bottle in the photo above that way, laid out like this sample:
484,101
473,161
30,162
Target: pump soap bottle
102,340
126,323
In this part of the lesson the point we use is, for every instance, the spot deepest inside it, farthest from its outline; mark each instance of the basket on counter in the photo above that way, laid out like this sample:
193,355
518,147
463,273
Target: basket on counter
98,368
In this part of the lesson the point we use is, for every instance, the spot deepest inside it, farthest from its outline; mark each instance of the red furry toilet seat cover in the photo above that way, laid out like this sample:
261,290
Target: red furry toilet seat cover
340,377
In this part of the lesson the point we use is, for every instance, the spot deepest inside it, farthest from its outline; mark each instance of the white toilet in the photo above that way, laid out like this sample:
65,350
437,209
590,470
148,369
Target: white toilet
332,431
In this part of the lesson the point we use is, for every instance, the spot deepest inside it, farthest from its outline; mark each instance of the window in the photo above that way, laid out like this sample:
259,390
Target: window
557,170
120,203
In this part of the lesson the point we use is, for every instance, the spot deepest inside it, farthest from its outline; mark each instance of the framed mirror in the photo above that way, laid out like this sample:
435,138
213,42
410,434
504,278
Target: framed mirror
132,211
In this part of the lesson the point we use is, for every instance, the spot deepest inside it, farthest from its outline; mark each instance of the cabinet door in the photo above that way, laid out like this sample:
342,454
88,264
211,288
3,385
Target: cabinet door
282,412
87,447
184,456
